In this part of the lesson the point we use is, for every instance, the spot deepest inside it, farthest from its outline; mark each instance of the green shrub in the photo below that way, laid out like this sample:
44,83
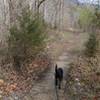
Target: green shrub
27,38
86,18
91,46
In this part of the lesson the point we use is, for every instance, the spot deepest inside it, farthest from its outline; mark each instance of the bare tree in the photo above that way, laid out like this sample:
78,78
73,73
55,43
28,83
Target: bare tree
38,3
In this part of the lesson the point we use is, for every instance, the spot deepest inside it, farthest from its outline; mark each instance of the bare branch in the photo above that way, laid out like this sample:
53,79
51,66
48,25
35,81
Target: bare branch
40,3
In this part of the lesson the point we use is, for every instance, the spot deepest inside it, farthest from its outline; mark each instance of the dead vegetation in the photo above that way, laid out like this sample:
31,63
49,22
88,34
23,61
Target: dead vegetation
83,79
13,81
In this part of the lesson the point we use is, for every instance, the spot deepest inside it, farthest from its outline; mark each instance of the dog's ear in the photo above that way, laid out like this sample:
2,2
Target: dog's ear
56,66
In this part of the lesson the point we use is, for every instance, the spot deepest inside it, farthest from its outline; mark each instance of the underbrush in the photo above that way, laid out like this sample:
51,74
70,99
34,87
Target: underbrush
83,80
21,82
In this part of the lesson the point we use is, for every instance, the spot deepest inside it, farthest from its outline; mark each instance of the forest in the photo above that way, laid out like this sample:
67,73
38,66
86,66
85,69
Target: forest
49,49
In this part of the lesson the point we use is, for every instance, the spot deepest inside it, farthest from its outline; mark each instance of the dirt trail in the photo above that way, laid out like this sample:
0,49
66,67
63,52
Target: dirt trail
44,89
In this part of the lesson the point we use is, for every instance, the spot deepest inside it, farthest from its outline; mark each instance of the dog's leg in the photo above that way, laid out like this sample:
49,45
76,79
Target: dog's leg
56,82
59,84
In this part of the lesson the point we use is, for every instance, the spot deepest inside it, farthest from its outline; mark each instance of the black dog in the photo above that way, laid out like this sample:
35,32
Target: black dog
58,76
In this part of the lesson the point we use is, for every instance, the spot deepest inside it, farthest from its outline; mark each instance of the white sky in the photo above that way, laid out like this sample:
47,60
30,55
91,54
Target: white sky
89,1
